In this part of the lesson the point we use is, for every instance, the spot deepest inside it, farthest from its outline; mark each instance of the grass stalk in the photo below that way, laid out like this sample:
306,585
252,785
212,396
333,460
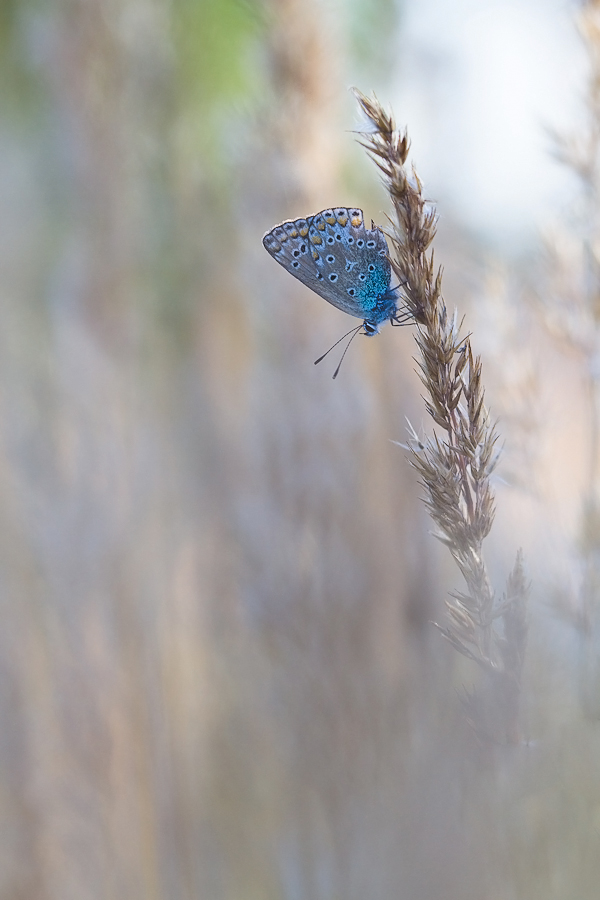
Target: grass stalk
454,463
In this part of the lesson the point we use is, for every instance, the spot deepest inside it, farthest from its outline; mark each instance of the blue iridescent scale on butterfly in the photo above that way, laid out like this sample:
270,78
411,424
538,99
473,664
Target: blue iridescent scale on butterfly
347,264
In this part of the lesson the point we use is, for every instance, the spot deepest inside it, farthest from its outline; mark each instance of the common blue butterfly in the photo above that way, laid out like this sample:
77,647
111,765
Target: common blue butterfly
347,264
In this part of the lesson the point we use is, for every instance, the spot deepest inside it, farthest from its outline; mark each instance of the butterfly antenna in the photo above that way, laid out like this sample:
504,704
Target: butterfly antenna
317,361
356,330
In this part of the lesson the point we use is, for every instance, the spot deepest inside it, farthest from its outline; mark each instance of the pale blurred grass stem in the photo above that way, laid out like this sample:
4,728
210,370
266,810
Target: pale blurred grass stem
570,306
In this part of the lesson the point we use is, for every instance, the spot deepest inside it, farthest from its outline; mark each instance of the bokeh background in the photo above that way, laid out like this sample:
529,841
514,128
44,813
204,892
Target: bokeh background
218,676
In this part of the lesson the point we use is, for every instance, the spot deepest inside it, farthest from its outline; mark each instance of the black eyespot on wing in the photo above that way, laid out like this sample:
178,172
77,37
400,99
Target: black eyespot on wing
331,258
350,239
333,277
362,276
370,243
330,240
296,264
319,276
296,253
351,291
338,237
360,243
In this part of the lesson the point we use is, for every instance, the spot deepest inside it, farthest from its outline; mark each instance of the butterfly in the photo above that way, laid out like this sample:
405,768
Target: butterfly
347,264
335,255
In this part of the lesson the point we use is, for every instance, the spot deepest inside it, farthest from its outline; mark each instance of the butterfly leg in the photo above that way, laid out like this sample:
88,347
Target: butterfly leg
401,319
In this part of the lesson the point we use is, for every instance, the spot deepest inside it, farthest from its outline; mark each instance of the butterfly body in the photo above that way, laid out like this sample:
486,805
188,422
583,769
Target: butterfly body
335,255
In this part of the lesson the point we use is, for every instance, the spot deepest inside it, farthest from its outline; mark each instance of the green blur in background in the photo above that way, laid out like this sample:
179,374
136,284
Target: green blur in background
218,680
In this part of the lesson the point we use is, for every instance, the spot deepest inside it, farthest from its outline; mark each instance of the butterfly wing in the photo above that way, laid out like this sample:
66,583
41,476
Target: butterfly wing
288,244
334,255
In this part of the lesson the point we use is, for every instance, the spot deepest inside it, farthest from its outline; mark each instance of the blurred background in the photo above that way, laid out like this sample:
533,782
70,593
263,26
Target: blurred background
218,676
